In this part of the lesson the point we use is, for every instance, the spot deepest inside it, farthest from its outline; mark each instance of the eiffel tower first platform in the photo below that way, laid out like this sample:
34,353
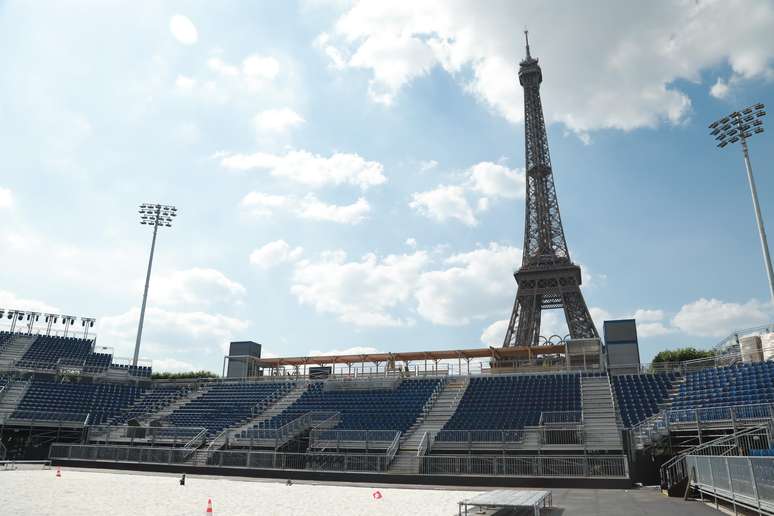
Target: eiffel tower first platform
547,279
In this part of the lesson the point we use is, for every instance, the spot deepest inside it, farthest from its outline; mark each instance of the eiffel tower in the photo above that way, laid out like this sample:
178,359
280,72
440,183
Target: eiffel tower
547,278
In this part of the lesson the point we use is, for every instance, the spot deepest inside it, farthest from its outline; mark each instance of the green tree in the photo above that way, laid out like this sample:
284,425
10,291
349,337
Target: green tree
183,376
682,354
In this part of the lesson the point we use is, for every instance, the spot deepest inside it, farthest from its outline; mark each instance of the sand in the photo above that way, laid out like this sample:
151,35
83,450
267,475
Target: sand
112,493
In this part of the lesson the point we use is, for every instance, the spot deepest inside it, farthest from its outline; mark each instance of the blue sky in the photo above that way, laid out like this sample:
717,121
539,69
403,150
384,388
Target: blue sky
349,175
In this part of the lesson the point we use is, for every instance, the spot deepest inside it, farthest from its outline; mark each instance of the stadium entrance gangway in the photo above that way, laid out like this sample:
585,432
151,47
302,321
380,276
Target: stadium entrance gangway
724,470
188,437
263,436
698,420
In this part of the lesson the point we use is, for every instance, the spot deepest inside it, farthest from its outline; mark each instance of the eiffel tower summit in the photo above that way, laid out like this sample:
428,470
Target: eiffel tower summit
547,278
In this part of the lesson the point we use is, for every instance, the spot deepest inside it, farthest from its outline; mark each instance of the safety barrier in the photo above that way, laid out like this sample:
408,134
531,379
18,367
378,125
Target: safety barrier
742,481
532,466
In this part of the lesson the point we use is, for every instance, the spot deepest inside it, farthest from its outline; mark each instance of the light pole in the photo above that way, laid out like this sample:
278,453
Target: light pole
156,215
738,127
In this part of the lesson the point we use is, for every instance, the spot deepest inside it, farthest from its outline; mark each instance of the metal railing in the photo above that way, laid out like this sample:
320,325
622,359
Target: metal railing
571,417
362,439
424,445
743,481
660,424
260,433
531,466
150,435
245,459
675,470
50,418
567,435
580,466
480,436
393,449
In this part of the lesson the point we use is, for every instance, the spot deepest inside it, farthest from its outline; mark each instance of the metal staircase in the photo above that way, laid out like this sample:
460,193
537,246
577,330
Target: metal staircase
599,414
407,461
10,397
15,349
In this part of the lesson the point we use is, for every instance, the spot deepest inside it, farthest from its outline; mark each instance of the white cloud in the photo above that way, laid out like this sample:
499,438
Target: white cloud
11,301
219,66
648,315
364,292
715,318
474,286
171,334
411,242
183,29
277,120
6,198
495,180
486,179
258,204
310,169
400,58
275,253
255,73
720,89
185,83
494,334
444,203
195,286
171,365
614,66
425,166
354,350
260,67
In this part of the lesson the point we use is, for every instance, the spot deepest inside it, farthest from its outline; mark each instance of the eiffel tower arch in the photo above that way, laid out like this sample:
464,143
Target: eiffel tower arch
547,278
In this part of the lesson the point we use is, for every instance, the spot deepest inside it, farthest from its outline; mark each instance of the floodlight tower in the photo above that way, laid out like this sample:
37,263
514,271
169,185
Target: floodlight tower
738,127
156,215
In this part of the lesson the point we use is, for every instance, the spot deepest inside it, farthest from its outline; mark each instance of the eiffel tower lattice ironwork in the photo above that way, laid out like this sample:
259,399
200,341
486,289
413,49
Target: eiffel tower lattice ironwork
547,279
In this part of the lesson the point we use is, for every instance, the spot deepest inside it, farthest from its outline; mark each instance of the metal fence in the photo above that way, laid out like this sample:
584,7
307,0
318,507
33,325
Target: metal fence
740,443
579,466
742,481
336,462
562,434
150,435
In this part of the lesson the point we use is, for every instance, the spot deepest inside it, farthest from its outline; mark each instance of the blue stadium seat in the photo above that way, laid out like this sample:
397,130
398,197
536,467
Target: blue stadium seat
513,402
225,405
377,409
638,395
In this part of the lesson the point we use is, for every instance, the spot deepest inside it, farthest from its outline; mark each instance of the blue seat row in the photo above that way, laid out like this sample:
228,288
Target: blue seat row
638,395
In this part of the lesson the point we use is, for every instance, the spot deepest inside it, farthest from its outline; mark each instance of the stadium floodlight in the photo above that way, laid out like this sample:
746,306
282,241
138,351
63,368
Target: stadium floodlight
156,215
738,127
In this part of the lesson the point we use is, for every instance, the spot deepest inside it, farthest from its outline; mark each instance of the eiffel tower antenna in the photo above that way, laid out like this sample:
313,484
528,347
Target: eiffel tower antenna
547,279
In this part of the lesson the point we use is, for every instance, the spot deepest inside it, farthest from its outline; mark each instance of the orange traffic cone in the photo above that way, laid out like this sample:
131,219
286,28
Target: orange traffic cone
58,472
209,506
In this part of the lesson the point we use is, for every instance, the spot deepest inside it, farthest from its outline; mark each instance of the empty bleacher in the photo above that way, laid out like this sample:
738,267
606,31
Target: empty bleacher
639,395
743,384
50,352
225,405
75,401
377,409
149,401
513,402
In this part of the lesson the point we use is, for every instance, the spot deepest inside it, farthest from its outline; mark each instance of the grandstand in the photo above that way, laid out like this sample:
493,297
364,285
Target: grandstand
542,420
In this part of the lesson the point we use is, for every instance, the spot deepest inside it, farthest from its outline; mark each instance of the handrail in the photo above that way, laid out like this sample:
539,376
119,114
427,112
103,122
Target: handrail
212,443
674,471
393,449
197,440
424,445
